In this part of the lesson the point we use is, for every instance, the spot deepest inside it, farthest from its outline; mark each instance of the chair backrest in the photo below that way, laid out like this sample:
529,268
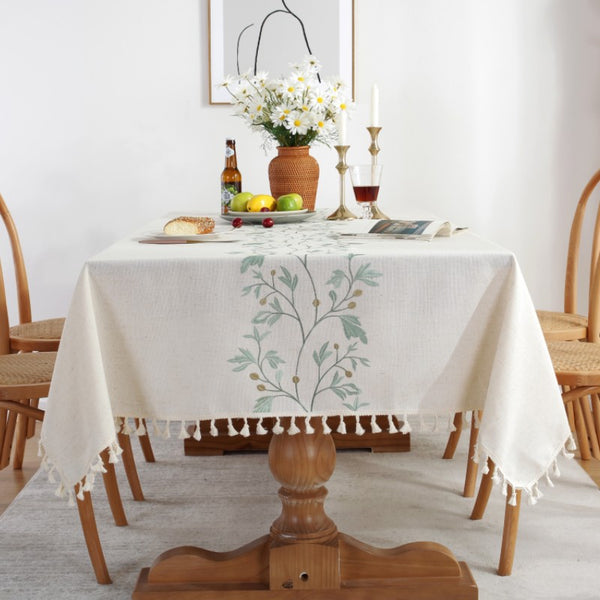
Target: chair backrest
574,244
19,264
4,326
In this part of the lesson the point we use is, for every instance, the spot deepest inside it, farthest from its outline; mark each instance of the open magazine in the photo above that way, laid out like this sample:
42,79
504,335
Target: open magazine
399,229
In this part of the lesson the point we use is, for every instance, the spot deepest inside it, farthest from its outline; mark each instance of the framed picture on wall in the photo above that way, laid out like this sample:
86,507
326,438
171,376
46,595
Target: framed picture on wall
268,35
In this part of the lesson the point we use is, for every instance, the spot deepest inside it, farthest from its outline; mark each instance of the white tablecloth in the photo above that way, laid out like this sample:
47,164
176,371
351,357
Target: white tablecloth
295,321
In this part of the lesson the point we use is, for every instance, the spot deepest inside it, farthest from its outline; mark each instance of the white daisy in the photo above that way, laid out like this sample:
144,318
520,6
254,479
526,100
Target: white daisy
298,122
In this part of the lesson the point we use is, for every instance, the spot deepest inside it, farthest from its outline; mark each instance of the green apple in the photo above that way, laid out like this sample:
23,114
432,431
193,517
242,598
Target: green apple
289,202
239,201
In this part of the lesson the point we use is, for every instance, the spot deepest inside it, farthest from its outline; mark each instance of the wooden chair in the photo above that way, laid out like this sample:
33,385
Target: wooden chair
569,325
24,379
38,336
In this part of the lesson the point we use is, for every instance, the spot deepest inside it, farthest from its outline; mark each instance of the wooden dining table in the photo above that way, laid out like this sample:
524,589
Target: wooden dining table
299,331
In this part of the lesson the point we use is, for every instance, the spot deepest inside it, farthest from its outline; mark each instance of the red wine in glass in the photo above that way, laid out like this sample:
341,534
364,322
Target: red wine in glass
366,193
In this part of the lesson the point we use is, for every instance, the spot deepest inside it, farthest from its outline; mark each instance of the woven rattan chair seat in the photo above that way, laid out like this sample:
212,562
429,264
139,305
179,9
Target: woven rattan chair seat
48,329
28,368
562,326
576,363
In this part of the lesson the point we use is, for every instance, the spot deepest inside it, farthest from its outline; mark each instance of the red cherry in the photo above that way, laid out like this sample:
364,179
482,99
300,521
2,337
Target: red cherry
265,209
237,222
268,222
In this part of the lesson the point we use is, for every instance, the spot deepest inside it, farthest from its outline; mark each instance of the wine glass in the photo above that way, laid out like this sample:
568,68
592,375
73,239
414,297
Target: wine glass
365,182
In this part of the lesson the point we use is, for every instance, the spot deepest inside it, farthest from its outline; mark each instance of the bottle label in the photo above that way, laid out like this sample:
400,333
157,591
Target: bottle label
228,191
229,152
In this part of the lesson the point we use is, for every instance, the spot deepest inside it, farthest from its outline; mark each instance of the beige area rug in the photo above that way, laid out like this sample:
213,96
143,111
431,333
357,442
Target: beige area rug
383,499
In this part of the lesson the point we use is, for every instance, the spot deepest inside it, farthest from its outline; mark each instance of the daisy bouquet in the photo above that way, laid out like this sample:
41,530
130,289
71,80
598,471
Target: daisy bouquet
297,110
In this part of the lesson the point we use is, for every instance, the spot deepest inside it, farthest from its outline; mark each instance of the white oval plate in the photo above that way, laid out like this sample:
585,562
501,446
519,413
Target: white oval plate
283,216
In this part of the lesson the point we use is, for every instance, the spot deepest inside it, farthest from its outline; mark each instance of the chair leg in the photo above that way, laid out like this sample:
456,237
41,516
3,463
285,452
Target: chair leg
9,433
112,491
130,469
454,437
20,440
589,425
596,413
92,540
581,431
485,488
509,534
31,423
3,427
569,409
145,443
471,475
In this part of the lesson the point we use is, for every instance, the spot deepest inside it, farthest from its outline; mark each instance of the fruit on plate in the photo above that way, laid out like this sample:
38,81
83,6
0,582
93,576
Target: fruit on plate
237,222
268,222
239,201
289,202
259,201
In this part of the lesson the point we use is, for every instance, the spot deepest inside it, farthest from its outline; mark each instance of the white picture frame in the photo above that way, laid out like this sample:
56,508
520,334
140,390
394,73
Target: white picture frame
270,34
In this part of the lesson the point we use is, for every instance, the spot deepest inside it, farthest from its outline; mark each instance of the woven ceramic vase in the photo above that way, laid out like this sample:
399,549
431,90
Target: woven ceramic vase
295,171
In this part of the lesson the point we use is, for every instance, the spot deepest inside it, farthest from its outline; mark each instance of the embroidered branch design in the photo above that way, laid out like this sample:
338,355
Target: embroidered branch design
276,293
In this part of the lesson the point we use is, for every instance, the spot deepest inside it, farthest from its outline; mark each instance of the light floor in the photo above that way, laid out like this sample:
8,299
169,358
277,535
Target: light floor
11,481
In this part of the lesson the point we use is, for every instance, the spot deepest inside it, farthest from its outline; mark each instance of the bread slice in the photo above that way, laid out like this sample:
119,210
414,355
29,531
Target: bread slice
189,226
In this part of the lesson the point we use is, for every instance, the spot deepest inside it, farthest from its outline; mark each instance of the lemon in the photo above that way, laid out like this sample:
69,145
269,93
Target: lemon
256,203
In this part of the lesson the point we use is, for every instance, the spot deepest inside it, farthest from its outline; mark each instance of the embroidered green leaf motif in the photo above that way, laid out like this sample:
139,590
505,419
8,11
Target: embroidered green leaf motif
322,355
352,328
355,405
367,275
255,335
243,360
288,280
263,404
250,261
273,359
344,390
337,278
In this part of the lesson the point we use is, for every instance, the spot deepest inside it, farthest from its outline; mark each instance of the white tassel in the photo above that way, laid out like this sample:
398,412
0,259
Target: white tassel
197,432
421,423
71,501
245,431
548,480
231,429
374,427
51,478
555,470
359,428
571,446
406,428
392,428
277,428
80,492
88,486
436,425
260,430
293,430
213,429
183,432
513,498
326,428
308,428
141,430
118,421
342,426
167,432
451,425
476,417
496,477
566,454
486,465
126,429
504,487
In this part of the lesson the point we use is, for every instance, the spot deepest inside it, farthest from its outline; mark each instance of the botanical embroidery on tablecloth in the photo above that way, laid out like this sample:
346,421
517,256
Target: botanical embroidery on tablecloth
282,294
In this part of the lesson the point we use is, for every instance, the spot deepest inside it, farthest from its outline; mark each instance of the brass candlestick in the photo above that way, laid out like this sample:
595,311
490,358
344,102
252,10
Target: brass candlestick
374,150
342,213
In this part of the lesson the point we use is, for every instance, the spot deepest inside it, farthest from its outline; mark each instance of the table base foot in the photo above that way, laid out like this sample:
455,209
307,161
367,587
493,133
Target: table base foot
342,569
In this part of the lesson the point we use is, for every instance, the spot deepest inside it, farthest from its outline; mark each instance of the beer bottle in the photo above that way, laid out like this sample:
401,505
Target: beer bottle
231,178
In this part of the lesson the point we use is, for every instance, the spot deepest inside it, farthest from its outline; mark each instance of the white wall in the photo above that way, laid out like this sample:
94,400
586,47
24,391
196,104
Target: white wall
490,112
